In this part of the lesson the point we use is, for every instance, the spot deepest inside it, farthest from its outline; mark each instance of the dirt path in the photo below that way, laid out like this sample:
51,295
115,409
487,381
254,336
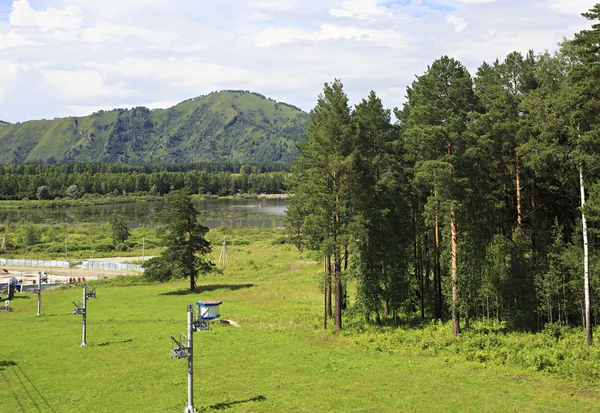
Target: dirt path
57,275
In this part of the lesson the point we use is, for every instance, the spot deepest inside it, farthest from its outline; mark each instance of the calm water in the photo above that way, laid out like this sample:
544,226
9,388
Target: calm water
215,212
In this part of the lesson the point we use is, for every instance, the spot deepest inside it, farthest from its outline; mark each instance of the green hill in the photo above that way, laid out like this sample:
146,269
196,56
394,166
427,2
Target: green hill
222,126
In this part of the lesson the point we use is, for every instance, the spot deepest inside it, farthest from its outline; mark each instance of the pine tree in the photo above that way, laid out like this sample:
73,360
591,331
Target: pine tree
186,248
323,174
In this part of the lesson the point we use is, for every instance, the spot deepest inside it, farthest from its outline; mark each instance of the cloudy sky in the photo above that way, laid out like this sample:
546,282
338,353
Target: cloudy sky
73,57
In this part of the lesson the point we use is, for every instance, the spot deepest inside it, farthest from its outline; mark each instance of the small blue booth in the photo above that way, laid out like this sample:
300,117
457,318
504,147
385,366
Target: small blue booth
208,309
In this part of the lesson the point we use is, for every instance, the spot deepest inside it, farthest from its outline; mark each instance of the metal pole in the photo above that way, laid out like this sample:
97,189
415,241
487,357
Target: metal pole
39,307
190,401
83,343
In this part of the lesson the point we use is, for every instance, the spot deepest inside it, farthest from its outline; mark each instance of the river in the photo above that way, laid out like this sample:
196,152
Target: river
214,212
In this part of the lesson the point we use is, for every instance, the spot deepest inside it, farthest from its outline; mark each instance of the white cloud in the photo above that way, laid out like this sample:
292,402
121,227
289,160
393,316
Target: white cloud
79,85
112,33
24,15
2,95
572,6
9,70
360,9
274,5
459,23
276,36
190,71
13,38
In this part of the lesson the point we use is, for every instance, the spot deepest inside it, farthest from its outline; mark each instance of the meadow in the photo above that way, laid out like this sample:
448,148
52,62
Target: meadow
279,359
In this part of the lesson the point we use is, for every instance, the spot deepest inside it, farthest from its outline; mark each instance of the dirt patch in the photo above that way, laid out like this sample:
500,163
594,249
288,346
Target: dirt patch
294,268
57,275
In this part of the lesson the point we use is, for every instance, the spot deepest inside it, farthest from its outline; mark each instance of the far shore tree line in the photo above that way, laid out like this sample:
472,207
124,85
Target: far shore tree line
72,181
481,201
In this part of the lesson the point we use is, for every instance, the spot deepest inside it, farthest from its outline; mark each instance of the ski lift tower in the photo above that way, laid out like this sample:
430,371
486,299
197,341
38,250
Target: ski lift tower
223,254
38,290
208,310
81,308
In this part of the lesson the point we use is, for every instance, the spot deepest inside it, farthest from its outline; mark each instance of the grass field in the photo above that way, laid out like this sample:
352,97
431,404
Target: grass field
278,360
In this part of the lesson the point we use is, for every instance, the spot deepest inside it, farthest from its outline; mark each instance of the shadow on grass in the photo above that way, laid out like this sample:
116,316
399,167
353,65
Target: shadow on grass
24,382
228,405
212,287
6,363
107,343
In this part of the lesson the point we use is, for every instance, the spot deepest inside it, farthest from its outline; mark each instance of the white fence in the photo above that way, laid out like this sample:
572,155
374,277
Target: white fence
35,263
100,265
92,265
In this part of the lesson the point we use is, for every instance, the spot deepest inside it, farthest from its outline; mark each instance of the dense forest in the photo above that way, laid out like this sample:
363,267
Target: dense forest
481,201
44,182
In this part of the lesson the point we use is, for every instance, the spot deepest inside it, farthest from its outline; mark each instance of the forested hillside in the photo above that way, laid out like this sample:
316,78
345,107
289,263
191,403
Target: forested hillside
226,126
481,202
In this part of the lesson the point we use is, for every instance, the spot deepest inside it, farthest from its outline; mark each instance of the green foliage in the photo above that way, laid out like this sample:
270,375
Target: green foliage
43,192
72,192
120,230
186,248
556,349
223,126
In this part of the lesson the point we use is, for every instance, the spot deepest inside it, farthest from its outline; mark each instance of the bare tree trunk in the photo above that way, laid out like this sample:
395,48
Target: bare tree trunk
437,272
337,280
427,269
420,267
329,307
455,321
518,184
325,282
586,276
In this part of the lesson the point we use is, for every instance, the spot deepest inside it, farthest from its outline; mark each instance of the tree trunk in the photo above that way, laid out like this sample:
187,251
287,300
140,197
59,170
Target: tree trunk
437,272
337,280
325,282
518,184
533,240
329,307
455,322
419,260
586,278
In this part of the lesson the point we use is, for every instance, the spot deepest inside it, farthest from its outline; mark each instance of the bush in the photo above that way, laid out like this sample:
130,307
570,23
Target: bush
121,247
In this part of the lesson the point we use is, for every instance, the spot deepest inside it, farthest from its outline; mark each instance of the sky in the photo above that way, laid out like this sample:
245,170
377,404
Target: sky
73,57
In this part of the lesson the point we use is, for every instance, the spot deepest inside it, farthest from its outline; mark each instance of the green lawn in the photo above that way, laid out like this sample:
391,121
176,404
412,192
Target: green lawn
278,360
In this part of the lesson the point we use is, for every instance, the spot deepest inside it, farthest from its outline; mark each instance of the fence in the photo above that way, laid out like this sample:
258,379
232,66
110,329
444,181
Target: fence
93,265
100,265
35,263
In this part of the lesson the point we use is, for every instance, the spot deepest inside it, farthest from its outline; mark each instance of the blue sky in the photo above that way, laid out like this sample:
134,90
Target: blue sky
73,57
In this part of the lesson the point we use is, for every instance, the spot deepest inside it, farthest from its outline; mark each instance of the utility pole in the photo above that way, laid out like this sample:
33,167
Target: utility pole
81,308
41,278
207,310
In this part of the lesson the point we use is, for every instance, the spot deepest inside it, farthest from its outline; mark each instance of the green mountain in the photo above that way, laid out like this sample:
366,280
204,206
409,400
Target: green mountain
222,126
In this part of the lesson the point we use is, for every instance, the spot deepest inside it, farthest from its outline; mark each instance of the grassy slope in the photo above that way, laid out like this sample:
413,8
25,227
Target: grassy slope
278,361
232,126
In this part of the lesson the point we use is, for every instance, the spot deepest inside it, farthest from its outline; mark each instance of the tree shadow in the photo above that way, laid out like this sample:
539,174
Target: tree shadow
6,363
228,405
211,287
23,381
107,343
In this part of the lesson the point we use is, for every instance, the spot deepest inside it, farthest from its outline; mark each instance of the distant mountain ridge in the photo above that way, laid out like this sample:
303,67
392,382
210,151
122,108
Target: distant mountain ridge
226,126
